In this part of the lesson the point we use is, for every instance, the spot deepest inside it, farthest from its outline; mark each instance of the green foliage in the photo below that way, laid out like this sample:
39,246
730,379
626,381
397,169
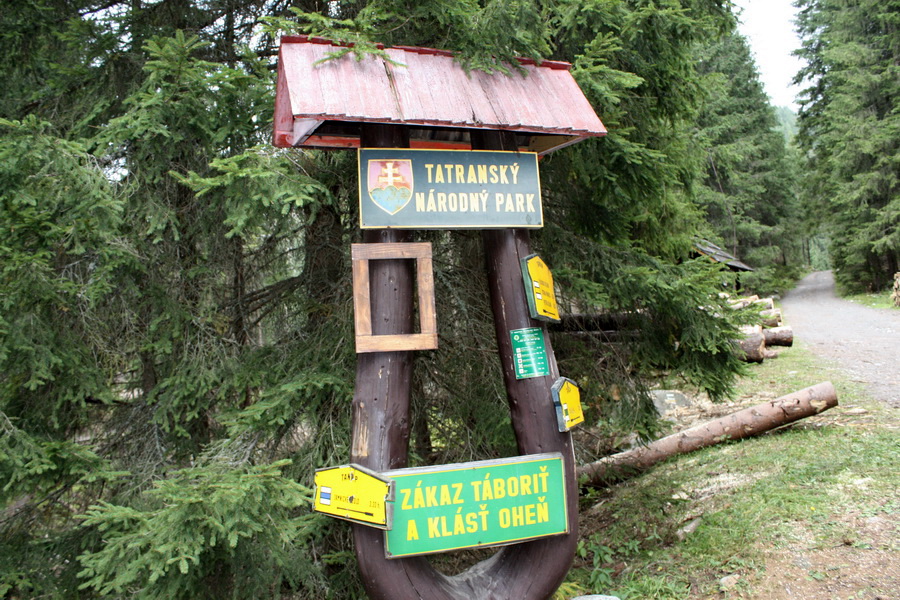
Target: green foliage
204,528
796,482
59,216
176,344
488,35
637,62
682,326
45,467
749,193
769,281
850,131
787,122
127,320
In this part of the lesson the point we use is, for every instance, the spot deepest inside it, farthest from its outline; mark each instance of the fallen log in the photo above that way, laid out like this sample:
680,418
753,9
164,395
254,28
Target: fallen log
744,423
778,336
752,347
599,322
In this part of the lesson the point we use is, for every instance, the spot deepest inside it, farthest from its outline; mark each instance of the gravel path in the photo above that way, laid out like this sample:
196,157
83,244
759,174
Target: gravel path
864,342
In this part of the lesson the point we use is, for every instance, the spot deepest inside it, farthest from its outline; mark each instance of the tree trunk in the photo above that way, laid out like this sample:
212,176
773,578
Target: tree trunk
778,336
770,318
752,348
745,423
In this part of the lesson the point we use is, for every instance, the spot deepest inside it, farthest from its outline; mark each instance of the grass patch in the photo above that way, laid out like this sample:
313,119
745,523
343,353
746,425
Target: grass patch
676,531
877,300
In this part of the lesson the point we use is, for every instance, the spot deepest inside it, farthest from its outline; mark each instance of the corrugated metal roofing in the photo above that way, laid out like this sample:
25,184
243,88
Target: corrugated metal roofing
546,108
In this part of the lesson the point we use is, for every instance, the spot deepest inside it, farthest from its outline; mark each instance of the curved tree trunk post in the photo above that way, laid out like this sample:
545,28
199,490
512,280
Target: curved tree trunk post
535,569
525,571
382,393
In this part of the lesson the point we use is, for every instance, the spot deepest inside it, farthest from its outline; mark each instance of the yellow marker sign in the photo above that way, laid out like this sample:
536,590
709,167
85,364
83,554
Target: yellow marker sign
539,289
567,400
356,494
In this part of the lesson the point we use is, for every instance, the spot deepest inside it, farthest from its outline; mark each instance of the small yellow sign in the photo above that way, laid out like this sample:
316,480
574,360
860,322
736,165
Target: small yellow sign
356,494
539,289
567,400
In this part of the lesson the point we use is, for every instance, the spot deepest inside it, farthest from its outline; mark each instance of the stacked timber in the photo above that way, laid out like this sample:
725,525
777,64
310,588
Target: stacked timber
753,344
770,330
778,336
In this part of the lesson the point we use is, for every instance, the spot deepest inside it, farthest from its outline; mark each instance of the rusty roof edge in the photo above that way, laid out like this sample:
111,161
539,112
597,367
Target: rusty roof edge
568,131
301,39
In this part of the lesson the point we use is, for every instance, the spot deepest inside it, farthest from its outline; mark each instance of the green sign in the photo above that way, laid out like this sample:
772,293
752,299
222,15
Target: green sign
448,189
529,353
468,505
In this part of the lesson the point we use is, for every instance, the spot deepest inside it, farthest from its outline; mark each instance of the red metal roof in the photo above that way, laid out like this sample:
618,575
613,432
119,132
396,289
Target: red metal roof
318,103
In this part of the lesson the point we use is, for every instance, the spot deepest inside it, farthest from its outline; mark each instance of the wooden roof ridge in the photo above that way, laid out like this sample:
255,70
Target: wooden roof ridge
322,102
550,64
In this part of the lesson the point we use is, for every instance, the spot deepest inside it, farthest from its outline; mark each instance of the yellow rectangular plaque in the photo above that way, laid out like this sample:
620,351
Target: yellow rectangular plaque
567,400
539,289
354,493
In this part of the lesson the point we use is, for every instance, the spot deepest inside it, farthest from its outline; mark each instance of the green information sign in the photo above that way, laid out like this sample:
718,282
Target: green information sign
529,352
468,505
448,189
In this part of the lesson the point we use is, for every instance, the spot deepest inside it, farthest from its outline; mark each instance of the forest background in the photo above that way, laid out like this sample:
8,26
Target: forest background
176,351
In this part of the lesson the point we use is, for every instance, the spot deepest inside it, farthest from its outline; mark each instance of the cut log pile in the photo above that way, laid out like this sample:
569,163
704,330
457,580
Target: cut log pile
770,331
895,295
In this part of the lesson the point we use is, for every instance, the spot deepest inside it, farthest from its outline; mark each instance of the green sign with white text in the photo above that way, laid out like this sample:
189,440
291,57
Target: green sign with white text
529,352
469,505
448,189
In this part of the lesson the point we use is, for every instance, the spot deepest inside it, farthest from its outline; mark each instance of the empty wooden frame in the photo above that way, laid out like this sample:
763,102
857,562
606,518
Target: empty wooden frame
366,341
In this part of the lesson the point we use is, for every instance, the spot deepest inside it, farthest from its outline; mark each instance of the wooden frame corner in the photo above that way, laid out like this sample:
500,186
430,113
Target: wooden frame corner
366,341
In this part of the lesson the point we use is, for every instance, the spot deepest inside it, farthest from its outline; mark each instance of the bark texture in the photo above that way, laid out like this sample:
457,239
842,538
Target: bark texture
745,423
752,347
779,336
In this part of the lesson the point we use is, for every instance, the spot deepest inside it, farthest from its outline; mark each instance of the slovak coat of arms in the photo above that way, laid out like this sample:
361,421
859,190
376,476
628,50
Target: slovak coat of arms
390,184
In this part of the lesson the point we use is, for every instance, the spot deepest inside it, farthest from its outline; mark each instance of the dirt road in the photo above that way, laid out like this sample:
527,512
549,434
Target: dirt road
863,341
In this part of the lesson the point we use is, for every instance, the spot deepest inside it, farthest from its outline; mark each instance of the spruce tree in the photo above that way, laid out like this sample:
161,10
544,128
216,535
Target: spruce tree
176,349
749,191
850,131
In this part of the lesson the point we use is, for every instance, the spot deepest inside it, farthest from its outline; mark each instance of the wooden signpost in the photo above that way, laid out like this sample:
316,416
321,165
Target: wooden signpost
528,504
